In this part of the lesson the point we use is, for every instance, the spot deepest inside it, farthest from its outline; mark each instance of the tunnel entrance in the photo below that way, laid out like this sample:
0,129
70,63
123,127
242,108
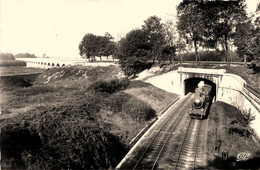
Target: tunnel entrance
192,83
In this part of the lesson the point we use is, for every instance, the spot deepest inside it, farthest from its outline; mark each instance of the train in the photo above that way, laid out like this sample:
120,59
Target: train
201,101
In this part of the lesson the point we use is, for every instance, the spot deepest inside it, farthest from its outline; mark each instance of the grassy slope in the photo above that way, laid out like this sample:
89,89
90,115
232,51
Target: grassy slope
219,120
57,88
157,98
20,70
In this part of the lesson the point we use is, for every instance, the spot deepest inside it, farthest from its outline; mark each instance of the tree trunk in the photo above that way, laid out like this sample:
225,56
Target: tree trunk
196,52
244,60
227,50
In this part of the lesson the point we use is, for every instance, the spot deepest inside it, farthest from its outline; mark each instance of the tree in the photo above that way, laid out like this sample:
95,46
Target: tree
24,55
171,41
6,56
88,47
247,38
190,23
106,45
243,40
93,45
134,52
169,51
154,29
221,22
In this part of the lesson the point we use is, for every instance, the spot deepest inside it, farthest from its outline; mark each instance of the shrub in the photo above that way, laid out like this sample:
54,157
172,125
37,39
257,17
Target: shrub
110,86
117,100
15,81
6,56
138,110
68,136
10,63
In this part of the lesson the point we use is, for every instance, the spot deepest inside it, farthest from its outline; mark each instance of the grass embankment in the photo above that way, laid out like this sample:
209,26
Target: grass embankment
223,120
13,70
73,117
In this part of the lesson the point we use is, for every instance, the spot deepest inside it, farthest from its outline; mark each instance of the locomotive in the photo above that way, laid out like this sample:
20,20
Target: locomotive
201,101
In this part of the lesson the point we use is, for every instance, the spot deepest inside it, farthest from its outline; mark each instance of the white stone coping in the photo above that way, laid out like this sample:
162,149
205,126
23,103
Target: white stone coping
201,70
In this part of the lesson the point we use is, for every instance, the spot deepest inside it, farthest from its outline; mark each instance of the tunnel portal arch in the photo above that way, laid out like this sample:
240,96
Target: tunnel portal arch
192,83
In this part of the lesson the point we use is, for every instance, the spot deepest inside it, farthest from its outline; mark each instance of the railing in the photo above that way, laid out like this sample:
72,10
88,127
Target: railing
256,93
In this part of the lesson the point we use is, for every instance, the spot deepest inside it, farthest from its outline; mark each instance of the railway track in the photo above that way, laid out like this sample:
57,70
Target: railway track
152,151
190,155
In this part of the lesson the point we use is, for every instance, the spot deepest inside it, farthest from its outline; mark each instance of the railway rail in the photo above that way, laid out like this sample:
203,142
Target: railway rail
153,150
190,150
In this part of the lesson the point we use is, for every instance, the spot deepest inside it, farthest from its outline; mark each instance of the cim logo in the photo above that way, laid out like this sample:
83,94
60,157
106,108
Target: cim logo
243,156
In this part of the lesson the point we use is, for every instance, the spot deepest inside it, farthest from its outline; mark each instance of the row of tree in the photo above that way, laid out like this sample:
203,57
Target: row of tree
206,24
10,56
217,24
94,45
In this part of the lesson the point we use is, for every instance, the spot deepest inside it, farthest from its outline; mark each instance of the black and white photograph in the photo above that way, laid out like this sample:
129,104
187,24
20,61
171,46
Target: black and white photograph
129,84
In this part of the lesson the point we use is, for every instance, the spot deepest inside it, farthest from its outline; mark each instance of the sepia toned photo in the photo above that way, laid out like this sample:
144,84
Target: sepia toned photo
129,84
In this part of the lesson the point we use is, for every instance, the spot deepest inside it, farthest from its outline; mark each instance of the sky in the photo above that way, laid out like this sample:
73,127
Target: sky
56,27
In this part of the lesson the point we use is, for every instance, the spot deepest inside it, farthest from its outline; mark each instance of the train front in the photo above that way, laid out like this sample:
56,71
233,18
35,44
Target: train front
199,102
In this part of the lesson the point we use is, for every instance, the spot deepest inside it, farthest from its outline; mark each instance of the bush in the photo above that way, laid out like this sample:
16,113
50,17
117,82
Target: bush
24,55
6,56
12,63
68,136
209,56
138,110
15,81
110,86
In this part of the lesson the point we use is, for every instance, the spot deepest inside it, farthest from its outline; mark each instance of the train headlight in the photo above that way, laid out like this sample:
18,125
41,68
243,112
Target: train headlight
197,103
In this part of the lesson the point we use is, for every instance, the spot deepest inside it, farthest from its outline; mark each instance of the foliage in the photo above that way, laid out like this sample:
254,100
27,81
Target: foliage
6,56
134,52
88,46
82,74
24,55
17,81
240,124
154,28
208,56
67,136
139,111
92,45
248,42
110,86
12,63
222,20
210,28
58,127
190,23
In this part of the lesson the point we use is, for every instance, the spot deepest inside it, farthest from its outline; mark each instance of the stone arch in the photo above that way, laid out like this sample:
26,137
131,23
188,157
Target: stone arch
58,65
52,64
49,64
63,65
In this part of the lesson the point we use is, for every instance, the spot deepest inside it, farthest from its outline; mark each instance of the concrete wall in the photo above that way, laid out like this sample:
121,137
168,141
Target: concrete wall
232,91
169,82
